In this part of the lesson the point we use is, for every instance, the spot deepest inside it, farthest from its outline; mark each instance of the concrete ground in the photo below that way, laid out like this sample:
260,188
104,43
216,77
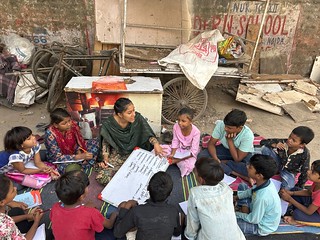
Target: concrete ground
219,104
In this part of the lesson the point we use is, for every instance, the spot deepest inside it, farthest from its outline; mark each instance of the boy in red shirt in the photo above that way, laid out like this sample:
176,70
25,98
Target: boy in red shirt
71,219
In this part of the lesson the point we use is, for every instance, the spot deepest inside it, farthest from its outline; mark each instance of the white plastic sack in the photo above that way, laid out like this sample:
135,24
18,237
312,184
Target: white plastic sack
25,92
19,46
198,59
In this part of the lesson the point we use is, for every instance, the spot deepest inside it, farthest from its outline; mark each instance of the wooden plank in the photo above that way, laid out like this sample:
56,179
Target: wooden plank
262,77
252,97
299,112
306,88
288,97
252,35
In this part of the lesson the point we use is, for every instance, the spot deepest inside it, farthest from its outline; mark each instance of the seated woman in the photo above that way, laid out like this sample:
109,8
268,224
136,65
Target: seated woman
64,143
119,135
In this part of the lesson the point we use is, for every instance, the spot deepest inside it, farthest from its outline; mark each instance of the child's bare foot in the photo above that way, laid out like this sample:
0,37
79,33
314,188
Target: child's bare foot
290,220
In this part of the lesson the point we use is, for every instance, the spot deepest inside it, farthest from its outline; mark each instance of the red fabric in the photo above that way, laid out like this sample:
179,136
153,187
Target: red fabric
69,141
79,223
315,197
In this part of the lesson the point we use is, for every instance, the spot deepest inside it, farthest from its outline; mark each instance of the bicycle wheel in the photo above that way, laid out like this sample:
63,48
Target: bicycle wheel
178,93
55,90
43,59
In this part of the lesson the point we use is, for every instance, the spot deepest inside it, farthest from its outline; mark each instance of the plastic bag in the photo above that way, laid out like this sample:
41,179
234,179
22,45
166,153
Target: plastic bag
198,59
19,46
231,48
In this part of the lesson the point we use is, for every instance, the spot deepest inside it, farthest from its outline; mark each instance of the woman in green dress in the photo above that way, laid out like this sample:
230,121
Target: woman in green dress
119,135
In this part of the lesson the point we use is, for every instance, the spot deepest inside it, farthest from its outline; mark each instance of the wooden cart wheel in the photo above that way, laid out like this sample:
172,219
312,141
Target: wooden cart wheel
55,89
178,93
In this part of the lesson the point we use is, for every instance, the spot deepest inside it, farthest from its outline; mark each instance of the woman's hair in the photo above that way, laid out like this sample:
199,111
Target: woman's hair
5,185
15,137
121,105
187,111
58,115
71,185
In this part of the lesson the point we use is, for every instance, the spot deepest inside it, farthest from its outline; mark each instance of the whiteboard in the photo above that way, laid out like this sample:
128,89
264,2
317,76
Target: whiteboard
131,180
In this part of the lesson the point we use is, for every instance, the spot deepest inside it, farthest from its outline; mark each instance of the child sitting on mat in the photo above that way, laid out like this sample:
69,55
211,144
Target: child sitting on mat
305,203
186,139
64,142
156,220
71,218
24,156
260,207
210,207
292,156
236,145
8,228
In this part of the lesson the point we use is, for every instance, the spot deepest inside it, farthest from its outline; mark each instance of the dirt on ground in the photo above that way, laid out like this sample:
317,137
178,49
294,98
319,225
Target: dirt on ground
220,102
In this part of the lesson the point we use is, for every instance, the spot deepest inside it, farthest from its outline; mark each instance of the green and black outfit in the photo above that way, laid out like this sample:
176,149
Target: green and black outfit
118,143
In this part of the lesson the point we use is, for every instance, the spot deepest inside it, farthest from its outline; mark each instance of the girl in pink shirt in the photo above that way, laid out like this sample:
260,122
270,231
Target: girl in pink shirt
306,202
185,143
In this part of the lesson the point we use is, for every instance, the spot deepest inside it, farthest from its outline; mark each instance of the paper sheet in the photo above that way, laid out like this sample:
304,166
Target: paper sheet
181,155
184,206
40,233
71,161
228,180
132,179
284,204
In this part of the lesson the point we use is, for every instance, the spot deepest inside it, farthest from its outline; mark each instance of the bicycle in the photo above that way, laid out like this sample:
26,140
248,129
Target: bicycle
53,68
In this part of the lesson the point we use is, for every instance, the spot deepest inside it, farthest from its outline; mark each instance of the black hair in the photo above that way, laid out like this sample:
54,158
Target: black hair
315,166
58,115
304,133
5,185
235,118
15,137
264,165
121,105
209,170
71,185
187,111
160,186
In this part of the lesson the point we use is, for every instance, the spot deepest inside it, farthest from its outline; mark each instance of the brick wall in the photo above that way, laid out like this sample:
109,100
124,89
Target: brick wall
44,21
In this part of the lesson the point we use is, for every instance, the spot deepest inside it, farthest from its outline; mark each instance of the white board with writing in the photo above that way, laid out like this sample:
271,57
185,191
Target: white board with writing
131,181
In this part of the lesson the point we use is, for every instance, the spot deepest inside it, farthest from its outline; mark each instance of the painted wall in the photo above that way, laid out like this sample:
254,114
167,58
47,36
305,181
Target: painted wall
44,21
291,36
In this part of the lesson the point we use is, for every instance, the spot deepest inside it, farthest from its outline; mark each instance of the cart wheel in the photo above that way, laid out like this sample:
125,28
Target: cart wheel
55,90
178,93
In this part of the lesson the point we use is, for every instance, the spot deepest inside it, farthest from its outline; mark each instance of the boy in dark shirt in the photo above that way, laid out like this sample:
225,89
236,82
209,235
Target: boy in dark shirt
156,219
292,156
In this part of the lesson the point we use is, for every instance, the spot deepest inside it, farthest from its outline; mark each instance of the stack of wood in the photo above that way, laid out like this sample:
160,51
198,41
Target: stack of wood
293,94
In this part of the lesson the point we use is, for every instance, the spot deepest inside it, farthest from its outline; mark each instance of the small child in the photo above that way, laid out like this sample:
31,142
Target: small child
64,142
71,219
236,145
306,202
24,154
260,206
8,229
186,139
292,156
210,207
156,219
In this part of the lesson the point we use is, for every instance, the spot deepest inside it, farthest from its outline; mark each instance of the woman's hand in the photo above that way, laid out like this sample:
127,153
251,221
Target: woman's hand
158,150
